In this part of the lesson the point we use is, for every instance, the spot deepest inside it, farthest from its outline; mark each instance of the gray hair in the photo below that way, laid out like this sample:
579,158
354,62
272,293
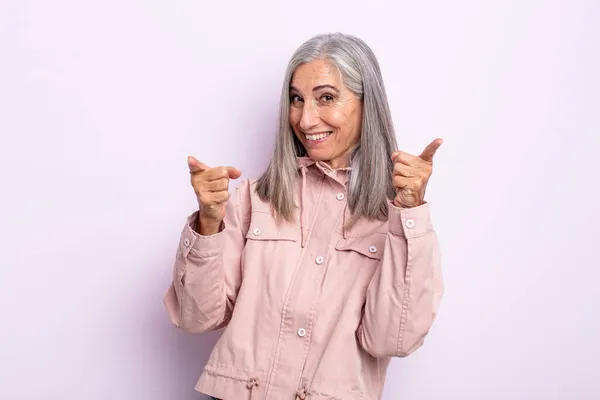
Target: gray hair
370,185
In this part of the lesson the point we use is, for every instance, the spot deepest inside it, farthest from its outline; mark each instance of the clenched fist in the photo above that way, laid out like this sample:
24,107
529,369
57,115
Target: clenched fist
211,186
411,174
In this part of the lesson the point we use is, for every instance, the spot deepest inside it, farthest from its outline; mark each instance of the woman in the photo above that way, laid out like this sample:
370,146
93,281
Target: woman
326,266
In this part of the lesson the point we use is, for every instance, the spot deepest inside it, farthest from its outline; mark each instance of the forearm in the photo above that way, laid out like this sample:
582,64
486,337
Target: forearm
404,294
197,301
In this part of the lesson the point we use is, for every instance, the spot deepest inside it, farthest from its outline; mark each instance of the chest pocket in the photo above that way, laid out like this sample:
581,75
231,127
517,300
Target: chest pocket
370,246
263,227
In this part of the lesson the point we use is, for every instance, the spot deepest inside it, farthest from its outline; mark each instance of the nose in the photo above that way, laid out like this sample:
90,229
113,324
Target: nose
310,116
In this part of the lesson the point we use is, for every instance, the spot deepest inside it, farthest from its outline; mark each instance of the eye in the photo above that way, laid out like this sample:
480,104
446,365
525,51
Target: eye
327,98
295,99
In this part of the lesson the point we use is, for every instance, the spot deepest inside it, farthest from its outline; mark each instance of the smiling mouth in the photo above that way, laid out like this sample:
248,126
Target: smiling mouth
318,136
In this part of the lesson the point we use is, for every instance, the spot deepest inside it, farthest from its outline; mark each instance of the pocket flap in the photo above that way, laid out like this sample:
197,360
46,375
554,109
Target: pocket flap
264,227
370,246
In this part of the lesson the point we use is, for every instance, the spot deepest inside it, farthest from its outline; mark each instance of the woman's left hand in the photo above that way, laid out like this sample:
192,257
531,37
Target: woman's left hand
411,174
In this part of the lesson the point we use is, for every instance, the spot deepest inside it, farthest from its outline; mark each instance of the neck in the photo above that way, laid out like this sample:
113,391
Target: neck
340,162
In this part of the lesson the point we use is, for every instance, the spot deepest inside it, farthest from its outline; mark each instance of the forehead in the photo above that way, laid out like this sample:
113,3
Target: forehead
316,73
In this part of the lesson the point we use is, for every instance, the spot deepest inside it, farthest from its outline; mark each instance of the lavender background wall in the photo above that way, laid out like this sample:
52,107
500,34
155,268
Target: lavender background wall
101,102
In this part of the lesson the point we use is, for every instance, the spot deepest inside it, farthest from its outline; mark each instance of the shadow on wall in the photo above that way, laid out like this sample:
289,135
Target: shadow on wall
176,358
189,354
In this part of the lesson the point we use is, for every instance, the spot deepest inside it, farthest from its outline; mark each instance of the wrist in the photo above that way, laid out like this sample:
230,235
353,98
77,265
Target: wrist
208,226
400,205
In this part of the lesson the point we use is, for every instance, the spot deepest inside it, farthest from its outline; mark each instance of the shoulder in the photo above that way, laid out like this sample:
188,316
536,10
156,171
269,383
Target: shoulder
245,187
247,196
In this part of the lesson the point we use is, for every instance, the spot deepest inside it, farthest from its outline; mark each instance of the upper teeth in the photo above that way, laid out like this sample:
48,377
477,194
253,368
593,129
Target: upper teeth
318,136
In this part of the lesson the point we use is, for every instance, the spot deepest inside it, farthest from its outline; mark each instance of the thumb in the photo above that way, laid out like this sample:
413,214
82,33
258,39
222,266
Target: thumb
234,173
394,155
429,152
195,165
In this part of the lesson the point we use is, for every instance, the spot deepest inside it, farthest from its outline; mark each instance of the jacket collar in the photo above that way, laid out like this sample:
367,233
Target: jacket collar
339,174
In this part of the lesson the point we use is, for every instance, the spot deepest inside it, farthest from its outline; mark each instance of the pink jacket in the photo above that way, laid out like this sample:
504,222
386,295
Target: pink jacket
310,309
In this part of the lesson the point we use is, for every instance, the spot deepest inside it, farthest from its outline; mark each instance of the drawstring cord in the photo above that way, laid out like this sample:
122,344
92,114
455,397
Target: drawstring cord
301,394
302,204
303,225
344,221
252,383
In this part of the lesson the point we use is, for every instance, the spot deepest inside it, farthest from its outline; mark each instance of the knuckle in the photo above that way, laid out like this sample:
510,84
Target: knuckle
207,199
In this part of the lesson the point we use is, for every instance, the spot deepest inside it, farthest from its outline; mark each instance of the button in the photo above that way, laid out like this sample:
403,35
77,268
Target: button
319,260
256,232
340,196
186,242
301,332
410,223
373,249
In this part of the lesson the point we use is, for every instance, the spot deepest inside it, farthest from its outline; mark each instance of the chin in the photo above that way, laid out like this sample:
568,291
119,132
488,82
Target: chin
318,155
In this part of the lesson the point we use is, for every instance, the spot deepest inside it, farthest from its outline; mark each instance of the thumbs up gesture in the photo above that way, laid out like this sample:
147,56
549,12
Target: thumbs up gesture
411,174
211,186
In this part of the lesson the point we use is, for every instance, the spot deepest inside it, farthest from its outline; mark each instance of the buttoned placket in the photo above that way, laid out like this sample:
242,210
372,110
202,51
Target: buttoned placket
300,306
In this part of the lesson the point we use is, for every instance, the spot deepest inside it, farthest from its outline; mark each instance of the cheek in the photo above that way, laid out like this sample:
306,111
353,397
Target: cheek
335,118
342,122
294,116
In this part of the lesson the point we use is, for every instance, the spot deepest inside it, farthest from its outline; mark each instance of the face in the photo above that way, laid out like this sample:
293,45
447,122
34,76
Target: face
325,116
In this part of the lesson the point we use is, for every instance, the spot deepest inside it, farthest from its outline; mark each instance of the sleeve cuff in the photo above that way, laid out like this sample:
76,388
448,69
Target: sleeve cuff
203,245
409,222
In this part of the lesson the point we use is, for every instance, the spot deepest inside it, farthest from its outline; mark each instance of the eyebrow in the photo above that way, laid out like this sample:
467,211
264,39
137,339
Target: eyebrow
316,88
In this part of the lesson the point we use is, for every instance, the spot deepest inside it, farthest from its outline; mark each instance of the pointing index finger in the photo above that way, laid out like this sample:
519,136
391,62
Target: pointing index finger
196,166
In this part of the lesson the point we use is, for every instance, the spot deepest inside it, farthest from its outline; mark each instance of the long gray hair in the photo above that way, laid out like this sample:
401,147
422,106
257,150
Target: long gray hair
370,185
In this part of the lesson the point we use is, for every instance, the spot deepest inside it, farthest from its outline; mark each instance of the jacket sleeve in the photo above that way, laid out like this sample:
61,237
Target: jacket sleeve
404,295
207,271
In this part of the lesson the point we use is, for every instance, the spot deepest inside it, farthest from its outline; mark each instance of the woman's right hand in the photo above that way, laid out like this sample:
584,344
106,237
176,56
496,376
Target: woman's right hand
211,186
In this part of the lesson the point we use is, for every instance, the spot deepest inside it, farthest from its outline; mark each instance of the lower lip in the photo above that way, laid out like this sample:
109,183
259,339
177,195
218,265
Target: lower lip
312,143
